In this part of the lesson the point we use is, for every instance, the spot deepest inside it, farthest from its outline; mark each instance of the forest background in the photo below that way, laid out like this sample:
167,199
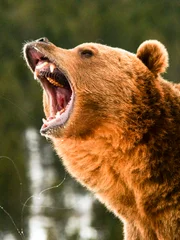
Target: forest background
29,210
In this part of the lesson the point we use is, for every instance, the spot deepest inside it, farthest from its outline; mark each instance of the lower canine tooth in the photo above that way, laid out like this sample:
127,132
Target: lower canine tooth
44,121
57,114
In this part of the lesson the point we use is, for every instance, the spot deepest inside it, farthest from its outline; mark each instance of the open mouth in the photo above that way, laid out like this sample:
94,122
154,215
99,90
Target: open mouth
57,87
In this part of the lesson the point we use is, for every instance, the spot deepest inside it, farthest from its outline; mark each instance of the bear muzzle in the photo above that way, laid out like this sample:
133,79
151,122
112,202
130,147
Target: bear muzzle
58,89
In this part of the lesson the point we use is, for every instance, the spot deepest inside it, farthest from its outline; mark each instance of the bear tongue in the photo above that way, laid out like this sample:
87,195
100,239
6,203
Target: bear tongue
58,102
61,95
59,98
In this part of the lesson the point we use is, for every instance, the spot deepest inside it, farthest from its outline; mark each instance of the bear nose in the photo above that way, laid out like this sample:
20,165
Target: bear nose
43,39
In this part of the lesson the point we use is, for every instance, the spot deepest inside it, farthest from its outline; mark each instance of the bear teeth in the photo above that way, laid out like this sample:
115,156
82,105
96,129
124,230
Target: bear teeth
41,65
58,114
35,75
53,82
52,67
52,119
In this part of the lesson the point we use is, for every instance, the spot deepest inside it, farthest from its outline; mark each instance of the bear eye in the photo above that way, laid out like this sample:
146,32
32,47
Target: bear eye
86,53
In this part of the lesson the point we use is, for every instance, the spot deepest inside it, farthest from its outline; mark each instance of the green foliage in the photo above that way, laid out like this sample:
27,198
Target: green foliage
123,23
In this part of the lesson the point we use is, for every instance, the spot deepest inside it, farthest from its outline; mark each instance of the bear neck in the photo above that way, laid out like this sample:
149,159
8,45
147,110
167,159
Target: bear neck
121,156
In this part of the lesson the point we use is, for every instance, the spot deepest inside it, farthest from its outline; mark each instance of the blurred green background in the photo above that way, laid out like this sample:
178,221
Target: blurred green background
29,210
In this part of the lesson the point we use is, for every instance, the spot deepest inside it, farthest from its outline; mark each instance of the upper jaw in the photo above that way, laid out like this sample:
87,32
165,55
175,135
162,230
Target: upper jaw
58,88
34,52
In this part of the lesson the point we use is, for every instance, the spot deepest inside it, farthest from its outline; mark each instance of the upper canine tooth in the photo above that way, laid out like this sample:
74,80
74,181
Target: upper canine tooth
41,65
52,67
35,75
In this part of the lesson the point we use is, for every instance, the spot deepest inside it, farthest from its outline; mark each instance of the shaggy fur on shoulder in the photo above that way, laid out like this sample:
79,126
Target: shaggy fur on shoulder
115,122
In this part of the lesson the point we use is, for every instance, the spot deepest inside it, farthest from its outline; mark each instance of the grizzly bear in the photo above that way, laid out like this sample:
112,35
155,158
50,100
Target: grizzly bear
115,122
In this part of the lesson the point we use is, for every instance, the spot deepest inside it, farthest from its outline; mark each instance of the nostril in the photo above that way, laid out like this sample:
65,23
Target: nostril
43,39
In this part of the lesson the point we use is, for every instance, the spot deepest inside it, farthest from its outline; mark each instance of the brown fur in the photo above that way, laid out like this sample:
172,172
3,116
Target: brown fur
122,140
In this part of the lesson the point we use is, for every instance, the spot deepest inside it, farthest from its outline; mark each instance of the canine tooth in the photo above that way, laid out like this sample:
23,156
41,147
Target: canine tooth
52,67
41,65
58,114
35,75
44,120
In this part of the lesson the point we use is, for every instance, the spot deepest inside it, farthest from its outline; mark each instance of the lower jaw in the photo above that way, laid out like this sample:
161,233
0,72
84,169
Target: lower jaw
52,132
53,127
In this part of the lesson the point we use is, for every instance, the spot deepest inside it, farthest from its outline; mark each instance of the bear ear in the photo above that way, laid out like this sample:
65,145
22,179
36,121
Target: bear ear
154,55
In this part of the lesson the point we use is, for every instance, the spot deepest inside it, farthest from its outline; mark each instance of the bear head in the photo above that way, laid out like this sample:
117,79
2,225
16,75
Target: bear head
93,86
